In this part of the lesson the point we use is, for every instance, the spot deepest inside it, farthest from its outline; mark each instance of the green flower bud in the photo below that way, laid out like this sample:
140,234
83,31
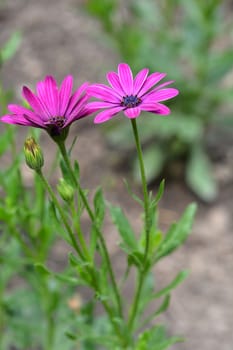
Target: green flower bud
33,154
65,190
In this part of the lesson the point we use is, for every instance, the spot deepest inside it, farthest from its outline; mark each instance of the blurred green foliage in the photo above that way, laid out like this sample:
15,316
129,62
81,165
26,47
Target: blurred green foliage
192,42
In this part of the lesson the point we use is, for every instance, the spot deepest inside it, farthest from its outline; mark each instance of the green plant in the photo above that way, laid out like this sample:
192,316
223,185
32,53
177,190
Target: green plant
183,38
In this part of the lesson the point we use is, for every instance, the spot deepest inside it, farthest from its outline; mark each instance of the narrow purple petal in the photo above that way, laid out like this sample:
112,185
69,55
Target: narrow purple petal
156,108
26,113
99,105
16,119
139,80
160,86
132,112
76,110
153,79
114,81
103,92
34,102
65,94
75,98
107,115
126,78
161,95
51,97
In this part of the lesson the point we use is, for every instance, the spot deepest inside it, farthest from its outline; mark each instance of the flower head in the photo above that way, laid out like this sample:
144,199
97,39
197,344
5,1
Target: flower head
130,95
53,108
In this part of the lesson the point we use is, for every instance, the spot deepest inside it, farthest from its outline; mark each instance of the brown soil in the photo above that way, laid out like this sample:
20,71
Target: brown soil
58,38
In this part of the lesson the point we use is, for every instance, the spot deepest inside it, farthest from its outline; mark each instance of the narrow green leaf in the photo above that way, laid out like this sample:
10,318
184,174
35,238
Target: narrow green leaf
199,175
163,307
99,205
160,191
10,47
74,260
177,233
133,195
177,280
124,227
42,269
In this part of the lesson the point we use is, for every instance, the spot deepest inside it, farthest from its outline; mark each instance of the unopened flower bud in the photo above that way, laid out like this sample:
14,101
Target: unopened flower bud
65,190
33,154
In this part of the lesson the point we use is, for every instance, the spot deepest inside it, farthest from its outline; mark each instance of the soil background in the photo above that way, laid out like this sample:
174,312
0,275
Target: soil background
58,38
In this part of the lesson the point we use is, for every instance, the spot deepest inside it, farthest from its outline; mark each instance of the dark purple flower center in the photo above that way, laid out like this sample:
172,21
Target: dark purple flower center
130,101
57,121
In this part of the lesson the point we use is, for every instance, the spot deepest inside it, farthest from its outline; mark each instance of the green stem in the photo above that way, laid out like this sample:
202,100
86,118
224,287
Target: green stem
79,231
50,332
136,300
144,186
60,210
65,156
147,224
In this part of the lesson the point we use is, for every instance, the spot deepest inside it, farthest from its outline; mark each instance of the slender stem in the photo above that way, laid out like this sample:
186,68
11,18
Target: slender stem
65,156
144,186
50,331
136,300
63,217
143,270
79,231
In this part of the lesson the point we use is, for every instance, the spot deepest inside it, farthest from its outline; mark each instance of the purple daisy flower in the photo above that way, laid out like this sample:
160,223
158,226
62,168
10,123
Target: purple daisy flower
53,108
130,95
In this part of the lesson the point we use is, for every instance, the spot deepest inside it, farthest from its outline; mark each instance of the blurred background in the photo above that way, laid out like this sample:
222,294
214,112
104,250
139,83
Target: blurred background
192,41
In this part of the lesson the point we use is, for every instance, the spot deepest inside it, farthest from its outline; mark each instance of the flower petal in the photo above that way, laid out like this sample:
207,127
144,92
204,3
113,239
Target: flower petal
153,79
132,112
75,98
27,114
16,119
139,80
51,95
161,95
99,105
156,108
126,78
160,86
65,94
75,114
107,115
114,81
35,103
103,92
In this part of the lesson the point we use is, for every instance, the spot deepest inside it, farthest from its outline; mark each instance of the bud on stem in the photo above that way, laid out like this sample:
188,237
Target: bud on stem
33,154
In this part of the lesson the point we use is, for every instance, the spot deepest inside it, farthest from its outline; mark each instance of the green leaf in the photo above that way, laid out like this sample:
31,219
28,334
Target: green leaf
219,65
42,269
155,339
199,175
159,193
10,47
177,280
74,260
163,307
99,205
177,233
124,227
133,195
76,169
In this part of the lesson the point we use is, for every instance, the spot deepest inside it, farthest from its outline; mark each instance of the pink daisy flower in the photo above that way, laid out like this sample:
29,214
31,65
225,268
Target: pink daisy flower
53,108
130,95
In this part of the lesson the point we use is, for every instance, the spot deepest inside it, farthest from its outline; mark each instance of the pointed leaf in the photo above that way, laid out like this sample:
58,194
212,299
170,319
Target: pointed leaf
177,233
199,175
177,280
124,227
